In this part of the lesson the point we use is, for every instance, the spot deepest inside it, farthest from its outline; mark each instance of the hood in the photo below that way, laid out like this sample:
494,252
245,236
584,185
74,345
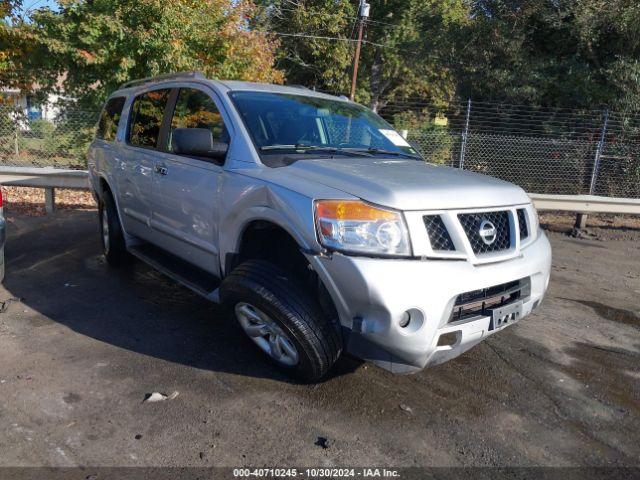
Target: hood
409,184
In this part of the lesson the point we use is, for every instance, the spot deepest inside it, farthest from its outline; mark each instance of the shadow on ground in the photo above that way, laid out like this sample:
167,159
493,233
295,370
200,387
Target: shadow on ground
135,308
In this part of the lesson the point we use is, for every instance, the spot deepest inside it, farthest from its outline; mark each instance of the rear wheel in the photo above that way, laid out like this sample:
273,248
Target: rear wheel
282,320
113,246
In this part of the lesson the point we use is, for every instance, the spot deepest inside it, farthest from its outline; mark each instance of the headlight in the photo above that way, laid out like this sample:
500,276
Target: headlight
354,226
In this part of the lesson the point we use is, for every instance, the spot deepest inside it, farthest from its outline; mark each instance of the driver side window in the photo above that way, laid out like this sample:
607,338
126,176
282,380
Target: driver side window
196,109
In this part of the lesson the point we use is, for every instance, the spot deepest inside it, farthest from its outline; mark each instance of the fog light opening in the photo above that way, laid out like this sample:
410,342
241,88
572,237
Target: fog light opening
448,339
411,320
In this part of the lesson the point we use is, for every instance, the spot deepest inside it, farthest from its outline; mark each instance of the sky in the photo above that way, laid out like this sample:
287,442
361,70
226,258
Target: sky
33,4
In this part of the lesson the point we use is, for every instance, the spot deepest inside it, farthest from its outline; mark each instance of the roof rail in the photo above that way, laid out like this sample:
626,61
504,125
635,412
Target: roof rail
168,76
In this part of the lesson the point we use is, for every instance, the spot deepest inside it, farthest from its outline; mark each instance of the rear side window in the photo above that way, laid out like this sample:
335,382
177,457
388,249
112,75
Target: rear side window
147,113
196,109
109,119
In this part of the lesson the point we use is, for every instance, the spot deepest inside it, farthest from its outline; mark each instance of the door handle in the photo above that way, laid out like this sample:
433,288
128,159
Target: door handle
162,170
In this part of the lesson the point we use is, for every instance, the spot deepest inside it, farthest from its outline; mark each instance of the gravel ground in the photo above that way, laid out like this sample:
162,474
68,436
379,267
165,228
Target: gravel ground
82,345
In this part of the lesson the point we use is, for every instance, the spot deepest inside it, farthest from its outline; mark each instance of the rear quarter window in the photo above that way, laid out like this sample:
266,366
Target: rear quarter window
109,119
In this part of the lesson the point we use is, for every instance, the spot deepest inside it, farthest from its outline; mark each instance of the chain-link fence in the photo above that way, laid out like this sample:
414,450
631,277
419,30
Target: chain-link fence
559,151
36,142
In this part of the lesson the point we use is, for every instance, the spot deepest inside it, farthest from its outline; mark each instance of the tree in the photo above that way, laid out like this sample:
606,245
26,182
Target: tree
578,53
307,58
405,53
9,9
14,47
411,51
88,48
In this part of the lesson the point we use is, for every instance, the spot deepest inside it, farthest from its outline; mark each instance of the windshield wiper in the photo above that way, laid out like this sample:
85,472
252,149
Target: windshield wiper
380,151
303,148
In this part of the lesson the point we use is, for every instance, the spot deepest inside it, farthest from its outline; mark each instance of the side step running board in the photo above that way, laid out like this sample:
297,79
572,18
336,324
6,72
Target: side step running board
192,277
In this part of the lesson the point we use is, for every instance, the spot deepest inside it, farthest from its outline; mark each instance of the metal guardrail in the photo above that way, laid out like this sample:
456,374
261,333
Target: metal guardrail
47,178
52,178
586,203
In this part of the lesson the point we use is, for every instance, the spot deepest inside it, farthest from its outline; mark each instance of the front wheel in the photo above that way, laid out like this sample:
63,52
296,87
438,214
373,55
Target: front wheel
282,320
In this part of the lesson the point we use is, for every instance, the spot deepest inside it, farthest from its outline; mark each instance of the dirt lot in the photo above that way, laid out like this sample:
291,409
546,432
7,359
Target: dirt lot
81,346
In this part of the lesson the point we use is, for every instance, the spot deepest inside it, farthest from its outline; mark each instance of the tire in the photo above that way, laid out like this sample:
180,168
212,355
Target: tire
264,293
111,235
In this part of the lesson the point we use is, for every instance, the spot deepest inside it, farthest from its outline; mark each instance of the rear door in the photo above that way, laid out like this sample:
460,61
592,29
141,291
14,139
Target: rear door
137,161
185,205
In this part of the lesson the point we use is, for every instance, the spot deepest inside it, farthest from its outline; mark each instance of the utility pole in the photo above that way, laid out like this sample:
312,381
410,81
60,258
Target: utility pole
363,14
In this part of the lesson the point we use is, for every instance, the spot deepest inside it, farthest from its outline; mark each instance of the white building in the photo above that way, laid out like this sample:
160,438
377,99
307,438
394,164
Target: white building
26,104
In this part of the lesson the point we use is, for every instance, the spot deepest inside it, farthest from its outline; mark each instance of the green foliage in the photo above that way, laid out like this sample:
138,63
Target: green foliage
418,40
314,62
41,128
402,57
578,53
68,147
44,143
88,48
9,8
434,142
14,46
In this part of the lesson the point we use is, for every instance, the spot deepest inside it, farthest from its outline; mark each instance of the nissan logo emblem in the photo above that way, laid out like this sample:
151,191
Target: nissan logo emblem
487,232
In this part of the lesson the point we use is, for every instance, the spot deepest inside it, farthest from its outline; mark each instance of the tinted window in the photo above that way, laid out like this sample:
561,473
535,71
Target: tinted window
109,118
195,109
147,112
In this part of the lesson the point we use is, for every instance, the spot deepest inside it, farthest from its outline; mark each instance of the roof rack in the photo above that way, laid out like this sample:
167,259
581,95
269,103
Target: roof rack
168,76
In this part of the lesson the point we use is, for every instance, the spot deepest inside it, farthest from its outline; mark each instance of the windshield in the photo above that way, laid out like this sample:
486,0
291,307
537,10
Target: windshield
286,128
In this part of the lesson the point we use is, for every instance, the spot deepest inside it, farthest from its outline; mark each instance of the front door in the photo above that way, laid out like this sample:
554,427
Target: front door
185,204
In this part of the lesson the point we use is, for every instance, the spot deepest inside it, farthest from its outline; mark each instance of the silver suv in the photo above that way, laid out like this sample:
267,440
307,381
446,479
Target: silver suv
314,221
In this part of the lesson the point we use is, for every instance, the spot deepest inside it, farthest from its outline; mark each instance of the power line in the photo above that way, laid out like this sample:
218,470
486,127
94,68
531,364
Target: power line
30,8
349,17
323,37
382,23
353,28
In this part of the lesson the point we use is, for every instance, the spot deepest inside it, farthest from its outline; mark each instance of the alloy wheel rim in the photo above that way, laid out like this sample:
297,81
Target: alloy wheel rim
267,334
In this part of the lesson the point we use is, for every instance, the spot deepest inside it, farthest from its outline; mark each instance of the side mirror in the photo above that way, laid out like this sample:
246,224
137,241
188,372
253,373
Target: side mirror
197,142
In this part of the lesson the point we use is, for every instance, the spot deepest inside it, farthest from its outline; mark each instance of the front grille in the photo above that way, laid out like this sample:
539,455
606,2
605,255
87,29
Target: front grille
438,234
478,302
472,224
522,221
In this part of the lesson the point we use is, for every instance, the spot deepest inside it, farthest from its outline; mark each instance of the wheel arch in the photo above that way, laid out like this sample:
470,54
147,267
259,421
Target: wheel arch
102,187
257,238
234,230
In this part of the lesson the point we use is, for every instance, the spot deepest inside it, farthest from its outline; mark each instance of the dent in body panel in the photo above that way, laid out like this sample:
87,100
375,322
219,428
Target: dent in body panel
248,199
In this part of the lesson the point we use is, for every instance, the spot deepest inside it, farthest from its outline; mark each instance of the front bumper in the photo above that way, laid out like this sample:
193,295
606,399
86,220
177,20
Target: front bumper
372,296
